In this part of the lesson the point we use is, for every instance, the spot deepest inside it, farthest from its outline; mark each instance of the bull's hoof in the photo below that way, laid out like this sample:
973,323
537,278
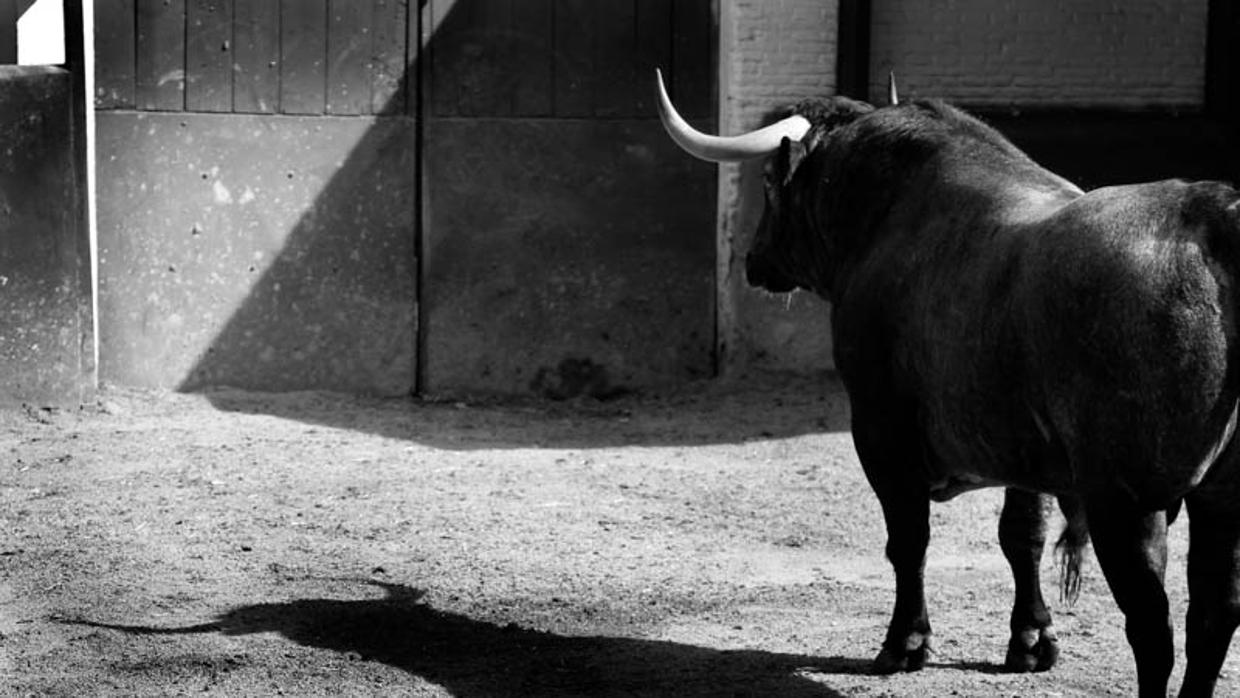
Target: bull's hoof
1032,650
910,656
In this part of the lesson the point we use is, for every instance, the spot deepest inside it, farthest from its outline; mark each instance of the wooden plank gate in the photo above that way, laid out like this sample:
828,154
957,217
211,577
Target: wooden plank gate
469,196
563,227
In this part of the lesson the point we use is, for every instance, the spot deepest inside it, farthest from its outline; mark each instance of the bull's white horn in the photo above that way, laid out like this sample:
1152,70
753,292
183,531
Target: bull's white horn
746,146
892,98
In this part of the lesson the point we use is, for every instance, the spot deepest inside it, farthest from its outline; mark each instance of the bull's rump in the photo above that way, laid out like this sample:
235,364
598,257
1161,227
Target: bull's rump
1131,330
1086,350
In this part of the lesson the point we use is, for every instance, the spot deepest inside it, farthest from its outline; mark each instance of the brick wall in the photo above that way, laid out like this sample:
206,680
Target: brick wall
1110,53
772,54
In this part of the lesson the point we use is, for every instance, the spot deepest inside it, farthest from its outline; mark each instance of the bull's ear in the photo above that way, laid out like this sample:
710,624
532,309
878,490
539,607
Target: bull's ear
791,153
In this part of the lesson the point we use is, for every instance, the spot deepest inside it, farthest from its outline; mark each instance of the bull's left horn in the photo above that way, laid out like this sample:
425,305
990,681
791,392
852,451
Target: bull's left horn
746,146
892,98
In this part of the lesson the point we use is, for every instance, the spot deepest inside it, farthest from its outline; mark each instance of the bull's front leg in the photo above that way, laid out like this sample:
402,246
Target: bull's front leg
905,500
1022,537
908,534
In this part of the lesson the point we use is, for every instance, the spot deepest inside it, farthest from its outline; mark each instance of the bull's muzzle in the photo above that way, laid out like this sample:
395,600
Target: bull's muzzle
760,273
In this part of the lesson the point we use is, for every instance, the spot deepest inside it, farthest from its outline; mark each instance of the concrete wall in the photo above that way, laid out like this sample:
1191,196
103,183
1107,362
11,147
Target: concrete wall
46,355
263,251
257,195
1102,53
772,54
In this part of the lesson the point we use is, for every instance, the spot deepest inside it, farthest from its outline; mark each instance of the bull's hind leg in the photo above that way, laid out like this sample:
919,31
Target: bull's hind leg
1022,537
1131,548
1213,590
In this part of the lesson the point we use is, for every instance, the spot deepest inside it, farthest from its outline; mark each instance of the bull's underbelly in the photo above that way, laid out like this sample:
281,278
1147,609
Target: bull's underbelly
945,489
945,486
995,458
1039,462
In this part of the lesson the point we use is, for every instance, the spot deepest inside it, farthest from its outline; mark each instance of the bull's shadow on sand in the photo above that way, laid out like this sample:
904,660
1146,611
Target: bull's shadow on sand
470,657
718,412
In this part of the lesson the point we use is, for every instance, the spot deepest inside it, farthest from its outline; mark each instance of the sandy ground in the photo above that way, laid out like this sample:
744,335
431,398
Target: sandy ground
717,540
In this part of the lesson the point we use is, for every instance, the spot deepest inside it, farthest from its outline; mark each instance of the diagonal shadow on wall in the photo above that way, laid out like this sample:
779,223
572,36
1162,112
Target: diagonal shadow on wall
335,307
265,251
280,252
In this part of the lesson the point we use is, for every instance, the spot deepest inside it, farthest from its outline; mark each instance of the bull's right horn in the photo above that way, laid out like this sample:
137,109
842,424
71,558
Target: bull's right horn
746,146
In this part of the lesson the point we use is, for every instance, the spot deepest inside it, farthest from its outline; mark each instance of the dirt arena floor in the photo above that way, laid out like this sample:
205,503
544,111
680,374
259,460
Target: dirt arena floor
717,540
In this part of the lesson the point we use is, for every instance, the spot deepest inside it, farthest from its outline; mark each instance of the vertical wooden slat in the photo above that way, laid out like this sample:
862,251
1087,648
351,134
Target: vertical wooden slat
692,62
387,65
417,84
348,56
614,47
417,104
75,62
530,62
256,56
114,54
484,69
574,57
654,50
209,55
303,53
160,49
852,53
8,31
447,20
1222,78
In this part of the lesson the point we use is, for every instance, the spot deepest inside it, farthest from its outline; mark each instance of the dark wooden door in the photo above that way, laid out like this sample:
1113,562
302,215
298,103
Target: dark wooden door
568,247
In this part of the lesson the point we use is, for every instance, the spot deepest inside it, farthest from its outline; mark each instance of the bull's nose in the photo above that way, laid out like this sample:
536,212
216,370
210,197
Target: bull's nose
754,271
762,274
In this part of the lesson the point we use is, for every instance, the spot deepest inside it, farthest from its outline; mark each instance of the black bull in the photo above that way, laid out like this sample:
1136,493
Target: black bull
996,326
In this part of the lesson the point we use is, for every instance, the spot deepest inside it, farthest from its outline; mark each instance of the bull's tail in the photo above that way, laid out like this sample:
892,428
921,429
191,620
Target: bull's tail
1071,549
